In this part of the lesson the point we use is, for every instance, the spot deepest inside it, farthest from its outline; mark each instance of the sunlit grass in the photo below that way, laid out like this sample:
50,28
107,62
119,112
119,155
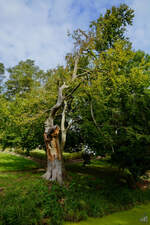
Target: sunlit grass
130,217
95,184
41,154
10,162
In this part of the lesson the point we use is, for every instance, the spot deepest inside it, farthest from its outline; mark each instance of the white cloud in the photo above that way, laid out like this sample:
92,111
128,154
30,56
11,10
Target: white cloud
27,32
140,31
37,29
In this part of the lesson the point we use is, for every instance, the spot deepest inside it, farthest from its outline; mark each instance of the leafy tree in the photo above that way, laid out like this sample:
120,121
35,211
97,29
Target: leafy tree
111,27
120,113
2,76
81,61
22,78
23,107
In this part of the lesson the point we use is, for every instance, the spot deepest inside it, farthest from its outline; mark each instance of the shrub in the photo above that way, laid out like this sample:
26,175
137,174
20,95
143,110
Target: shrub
33,201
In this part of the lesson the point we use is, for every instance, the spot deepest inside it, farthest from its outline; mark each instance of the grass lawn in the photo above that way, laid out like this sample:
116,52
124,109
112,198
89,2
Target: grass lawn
100,168
10,162
129,217
40,154
91,191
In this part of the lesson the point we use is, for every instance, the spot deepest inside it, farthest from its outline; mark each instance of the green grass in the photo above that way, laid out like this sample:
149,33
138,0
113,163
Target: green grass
22,197
130,217
38,154
10,162
41,154
104,162
11,180
91,191
101,170
28,199
72,156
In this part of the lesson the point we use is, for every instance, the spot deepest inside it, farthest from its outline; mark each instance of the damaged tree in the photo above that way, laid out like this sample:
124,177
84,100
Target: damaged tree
51,134
53,147
51,138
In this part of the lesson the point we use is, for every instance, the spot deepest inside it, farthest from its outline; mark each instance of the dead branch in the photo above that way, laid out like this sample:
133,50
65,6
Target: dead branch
63,116
54,109
92,115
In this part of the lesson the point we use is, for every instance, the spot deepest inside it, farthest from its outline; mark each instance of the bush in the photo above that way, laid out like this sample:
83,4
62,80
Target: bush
17,209
135,158
34,201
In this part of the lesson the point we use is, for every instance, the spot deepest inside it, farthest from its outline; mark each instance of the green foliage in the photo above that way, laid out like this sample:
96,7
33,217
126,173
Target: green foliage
72,202
22,120
2,68
23,206
121,108
23,78
35,201
23,212
110,104
2,76
111,26
129,217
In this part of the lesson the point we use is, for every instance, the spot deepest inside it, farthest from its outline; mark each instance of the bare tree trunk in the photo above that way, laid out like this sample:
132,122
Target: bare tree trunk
54,158
51,138
54,151
54,171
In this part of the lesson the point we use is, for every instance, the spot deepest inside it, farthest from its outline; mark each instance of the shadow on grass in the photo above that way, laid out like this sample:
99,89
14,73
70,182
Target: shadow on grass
92,170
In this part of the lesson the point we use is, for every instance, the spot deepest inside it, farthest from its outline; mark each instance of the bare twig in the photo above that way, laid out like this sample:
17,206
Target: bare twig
54,109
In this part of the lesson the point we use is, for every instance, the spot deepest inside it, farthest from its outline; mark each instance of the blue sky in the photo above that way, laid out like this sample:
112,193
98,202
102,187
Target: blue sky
37,29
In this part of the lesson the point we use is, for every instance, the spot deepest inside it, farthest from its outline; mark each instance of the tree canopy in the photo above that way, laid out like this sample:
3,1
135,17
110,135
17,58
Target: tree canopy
106,101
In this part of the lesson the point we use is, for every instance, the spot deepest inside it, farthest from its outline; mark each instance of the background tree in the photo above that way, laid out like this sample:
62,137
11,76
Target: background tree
23,106
23,78
2,76
120,84
111,26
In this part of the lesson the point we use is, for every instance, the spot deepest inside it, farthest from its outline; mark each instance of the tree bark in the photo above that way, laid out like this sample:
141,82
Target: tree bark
63,129
51,138
54,158
54,151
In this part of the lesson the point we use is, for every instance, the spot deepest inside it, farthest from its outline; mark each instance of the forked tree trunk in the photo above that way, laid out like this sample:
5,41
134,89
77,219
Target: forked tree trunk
54,151
51,138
